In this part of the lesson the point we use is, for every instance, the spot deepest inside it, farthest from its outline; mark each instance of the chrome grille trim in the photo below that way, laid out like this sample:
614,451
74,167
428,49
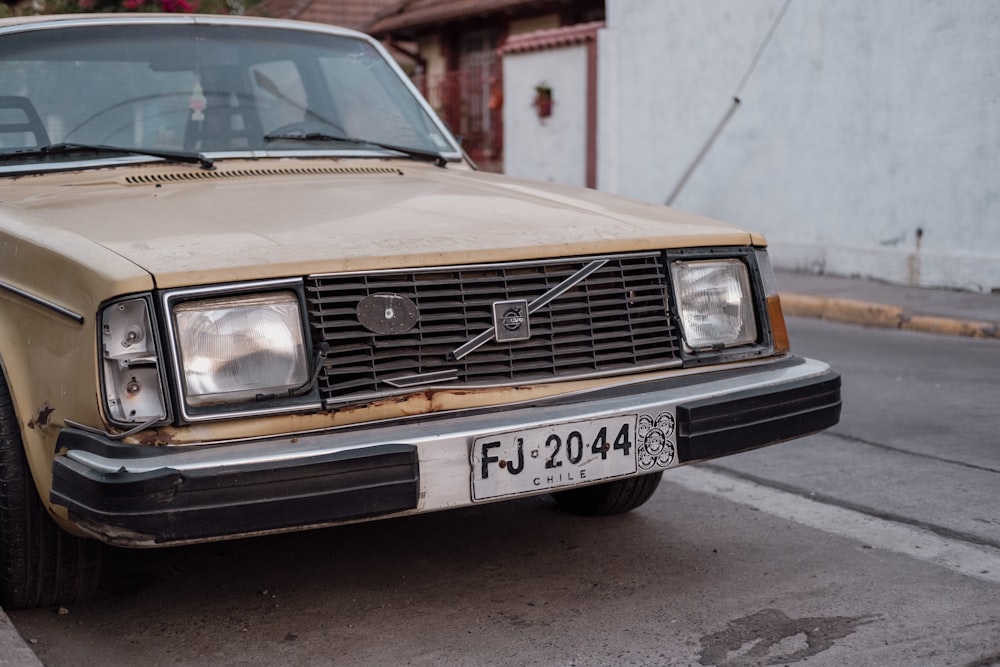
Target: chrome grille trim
614,321
536,305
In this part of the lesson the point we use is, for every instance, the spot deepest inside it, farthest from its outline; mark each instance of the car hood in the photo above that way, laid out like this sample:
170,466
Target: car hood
249,220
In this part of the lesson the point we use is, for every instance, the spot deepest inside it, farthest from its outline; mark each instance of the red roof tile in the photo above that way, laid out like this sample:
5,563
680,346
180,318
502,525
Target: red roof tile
421,13
552,38
356,14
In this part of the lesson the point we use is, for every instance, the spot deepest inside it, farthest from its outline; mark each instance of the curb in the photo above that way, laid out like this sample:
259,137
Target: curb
881,315
14,651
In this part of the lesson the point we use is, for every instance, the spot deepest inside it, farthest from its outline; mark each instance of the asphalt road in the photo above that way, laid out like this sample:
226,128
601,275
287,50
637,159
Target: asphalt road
919,438
877,543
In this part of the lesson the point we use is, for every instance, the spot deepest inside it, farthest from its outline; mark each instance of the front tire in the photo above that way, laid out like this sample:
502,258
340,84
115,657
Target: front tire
40,564
609,498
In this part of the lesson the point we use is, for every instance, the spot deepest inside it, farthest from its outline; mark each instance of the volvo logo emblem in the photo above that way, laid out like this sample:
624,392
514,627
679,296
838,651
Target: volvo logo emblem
510,320
513,318
507,327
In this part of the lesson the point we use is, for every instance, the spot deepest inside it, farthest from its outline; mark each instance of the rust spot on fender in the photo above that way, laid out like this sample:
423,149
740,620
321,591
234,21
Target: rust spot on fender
155,437
41,420
430,401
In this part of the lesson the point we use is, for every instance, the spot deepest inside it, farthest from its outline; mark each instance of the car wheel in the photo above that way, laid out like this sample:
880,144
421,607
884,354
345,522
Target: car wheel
40,564
610,497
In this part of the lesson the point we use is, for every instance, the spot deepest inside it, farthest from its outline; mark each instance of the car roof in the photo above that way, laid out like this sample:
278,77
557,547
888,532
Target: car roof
63,20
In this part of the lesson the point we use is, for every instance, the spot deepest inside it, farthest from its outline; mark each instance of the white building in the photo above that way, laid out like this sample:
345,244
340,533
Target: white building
867,140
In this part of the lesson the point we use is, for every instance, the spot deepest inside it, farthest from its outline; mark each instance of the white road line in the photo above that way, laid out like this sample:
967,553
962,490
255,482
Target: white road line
972,560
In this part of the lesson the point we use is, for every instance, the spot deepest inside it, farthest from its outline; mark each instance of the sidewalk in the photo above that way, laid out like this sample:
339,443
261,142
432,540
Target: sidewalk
14,651
872,303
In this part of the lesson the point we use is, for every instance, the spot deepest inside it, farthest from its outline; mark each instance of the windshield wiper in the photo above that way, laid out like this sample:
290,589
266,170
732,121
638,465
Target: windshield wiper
414,153
68,148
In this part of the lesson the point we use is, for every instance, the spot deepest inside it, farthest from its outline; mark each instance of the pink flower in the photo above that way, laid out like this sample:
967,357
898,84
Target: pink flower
187,6
87,4
132,4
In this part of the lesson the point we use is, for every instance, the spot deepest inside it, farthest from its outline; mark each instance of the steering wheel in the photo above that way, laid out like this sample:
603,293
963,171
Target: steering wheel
127,119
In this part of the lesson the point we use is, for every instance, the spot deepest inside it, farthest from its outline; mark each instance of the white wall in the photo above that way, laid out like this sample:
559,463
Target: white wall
862,123
553,149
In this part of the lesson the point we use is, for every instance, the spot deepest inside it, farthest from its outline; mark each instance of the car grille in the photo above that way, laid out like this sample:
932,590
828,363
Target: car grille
617,319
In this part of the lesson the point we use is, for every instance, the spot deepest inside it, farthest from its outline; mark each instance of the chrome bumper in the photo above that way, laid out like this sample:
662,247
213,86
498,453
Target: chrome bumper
137,495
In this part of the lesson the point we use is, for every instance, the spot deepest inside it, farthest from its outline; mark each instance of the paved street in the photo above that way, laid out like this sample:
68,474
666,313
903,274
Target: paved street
873,544
919,438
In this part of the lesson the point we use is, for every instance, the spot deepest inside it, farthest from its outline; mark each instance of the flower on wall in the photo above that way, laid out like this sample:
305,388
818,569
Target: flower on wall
543,101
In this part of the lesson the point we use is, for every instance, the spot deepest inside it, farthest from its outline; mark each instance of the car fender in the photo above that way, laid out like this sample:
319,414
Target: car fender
52,282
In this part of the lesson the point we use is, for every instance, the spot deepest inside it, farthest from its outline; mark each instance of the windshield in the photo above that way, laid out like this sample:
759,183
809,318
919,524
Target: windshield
206,88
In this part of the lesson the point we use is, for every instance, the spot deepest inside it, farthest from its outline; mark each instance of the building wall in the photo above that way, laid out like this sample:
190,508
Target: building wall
554,148
867,141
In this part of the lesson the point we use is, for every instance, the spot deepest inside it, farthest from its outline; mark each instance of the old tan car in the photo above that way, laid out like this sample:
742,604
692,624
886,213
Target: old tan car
250,284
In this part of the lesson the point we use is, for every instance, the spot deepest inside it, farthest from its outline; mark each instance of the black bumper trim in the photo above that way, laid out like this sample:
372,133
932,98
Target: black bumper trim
141,495
714,427
173,506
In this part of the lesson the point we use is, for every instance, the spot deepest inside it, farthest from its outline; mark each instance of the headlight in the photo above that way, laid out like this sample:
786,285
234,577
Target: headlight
235,348
714,303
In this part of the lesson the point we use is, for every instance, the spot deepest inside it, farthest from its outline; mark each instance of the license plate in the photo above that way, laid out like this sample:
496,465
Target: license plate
550,457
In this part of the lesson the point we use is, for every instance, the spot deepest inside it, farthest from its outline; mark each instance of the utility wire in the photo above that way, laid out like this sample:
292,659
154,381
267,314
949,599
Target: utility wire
732,107
761,48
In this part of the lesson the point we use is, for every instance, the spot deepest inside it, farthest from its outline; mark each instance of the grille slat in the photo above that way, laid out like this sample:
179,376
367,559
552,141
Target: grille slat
617,319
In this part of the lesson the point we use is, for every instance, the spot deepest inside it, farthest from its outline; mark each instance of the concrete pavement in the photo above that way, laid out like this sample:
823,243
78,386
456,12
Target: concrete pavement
872,303
14,651
850,300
